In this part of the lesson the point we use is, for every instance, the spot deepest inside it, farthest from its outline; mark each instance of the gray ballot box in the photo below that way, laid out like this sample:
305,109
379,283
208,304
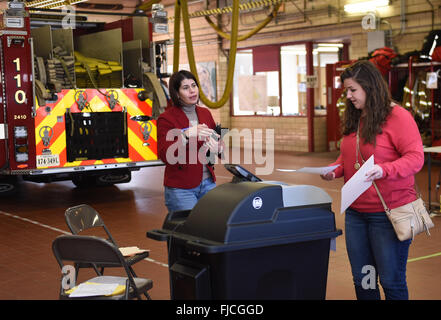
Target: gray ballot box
251,240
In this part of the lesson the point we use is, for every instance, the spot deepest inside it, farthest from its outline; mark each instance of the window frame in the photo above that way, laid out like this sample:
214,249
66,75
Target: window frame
280,45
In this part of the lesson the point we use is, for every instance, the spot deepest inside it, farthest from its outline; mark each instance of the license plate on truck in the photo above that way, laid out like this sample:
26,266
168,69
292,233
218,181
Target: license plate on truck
48,160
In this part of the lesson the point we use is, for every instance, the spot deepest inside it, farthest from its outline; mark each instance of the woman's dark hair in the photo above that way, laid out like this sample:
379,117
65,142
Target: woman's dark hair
175,83
378,100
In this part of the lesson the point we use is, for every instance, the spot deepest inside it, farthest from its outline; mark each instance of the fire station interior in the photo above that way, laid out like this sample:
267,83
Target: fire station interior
302,115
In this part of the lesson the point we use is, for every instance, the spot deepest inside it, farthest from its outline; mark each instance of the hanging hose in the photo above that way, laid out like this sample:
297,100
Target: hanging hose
177,33
191,59
252,32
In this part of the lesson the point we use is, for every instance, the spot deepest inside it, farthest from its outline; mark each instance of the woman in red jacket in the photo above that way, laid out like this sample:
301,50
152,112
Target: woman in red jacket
388,132
185,135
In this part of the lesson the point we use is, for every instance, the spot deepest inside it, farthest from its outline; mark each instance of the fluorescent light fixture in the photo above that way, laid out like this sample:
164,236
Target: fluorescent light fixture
326,49
365,6
321,47
332,45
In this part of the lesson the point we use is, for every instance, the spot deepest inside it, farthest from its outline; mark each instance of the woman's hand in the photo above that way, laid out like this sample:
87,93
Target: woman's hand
201,131
375,173
214,145
329,176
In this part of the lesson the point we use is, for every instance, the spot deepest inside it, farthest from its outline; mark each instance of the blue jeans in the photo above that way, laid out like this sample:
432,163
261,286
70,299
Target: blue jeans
177,199
375,252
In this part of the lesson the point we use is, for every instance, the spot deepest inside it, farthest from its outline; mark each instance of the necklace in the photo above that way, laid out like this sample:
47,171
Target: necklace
357,165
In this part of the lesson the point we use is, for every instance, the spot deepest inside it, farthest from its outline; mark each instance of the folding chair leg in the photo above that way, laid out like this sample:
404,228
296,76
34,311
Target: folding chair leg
99,273
135,276
132,272
77,269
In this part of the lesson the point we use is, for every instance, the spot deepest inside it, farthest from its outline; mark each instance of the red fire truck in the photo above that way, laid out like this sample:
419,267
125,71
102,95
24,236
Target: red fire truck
94,127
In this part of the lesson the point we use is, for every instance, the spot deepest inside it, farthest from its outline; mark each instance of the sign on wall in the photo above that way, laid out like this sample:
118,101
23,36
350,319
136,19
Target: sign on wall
253,93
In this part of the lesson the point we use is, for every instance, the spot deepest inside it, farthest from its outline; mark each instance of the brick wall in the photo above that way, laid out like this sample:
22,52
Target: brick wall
323,21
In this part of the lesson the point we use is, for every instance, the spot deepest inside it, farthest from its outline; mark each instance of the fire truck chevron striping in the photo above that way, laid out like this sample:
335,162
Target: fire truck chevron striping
50,133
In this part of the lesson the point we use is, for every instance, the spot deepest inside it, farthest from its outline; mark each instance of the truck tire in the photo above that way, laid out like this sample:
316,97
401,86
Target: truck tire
84,181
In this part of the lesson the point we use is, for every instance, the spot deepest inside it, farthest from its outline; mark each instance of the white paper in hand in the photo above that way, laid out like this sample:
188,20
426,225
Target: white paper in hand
356,185
316,170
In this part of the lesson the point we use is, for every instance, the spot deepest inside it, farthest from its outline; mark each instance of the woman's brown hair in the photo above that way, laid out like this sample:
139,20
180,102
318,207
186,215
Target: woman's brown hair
175,83
378,101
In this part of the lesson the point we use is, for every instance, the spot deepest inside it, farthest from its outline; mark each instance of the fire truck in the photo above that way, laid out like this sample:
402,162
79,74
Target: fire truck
77,103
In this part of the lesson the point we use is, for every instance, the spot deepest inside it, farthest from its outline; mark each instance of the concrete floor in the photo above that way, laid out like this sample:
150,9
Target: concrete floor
32,218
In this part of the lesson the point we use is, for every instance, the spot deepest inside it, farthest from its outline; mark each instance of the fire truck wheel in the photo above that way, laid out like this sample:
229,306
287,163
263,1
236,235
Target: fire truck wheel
113,178
84,181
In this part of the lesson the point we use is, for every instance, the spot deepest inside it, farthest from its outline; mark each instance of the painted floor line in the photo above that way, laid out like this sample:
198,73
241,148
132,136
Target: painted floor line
35,222
149,259
62,231
425,257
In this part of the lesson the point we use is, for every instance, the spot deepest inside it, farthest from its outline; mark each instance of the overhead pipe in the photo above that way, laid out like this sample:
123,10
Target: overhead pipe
259,27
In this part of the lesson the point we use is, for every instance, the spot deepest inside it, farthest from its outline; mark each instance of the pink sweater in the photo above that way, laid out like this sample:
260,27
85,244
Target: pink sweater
399,152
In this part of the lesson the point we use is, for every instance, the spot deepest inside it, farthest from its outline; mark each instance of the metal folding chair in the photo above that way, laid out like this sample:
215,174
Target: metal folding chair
83,217
97,251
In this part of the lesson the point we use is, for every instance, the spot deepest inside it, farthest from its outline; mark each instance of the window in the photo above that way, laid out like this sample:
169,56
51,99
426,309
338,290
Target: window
322,57
243,67
272,93
280,74
293,65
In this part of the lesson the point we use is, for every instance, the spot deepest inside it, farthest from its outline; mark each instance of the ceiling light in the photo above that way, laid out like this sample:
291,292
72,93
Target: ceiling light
326,49
365,6
338,45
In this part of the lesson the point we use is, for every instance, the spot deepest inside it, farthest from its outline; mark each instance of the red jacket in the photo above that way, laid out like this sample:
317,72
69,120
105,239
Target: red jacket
399,152
185,173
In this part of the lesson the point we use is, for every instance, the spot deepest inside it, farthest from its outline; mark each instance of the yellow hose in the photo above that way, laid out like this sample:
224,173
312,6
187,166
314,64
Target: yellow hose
232,56
249,34
177,35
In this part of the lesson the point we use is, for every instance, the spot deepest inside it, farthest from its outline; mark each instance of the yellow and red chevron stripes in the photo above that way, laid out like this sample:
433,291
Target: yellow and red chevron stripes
53,115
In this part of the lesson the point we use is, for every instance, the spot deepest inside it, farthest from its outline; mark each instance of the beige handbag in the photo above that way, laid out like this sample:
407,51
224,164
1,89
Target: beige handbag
407,220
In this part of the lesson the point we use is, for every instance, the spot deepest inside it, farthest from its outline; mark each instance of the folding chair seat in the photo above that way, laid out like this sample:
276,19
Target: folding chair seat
95,250
83,217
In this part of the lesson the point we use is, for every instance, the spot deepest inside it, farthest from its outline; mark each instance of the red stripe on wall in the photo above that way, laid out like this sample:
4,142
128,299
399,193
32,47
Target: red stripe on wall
266,58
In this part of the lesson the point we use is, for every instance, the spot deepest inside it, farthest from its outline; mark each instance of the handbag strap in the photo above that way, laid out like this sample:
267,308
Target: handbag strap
386,208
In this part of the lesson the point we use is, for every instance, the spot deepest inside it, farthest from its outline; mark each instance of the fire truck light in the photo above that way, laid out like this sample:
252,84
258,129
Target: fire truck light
21,153
22,148
20,132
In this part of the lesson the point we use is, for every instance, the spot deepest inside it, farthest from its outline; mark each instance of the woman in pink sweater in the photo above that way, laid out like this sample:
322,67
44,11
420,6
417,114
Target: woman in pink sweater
390,133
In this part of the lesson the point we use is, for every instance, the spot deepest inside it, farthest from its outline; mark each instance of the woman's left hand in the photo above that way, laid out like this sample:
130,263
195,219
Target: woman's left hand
375,173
